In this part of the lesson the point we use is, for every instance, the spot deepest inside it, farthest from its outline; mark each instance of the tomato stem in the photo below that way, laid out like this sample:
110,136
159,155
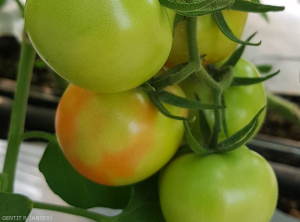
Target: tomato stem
217,93
73,210
18,113
194,60
213,140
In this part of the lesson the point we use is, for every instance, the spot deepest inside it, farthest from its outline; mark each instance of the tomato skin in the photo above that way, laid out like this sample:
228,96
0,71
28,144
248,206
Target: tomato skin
102,46
235,186
116,139
242,102
211,41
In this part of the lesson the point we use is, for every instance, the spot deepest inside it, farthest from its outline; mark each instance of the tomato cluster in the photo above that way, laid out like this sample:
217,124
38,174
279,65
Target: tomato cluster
112,132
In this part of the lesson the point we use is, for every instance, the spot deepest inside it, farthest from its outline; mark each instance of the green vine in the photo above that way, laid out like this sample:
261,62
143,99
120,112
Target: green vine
19,113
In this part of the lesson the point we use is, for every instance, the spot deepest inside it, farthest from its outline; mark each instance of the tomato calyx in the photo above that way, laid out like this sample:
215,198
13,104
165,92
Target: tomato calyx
218,80
220,21
158,98
245,6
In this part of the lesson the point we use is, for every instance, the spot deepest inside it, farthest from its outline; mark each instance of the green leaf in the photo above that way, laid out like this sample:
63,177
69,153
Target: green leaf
225,75
246,6
144,205
193,143
244,81
75,189
236,55
265,68
240,137
220,21
14,207
199,8
264,15
174,100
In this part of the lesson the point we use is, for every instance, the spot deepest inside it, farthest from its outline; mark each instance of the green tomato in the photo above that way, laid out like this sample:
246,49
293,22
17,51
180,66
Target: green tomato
116,138
242,102
239,186
211,41
103,46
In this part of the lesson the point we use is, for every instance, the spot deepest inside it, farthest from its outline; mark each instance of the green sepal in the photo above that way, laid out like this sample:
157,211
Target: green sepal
174,100
226,74
240,137
155,98
237,54
223,26
254,7
263,14
193,143
14,207
265,68
244,81
199,8
171,71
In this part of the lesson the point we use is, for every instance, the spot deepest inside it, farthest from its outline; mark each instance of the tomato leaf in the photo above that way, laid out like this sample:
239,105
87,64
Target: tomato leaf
220,21
198,8
174,100
75,189
264,15
264,68
193,143
240,137
14,207
236,55
246,6
144,205
240,81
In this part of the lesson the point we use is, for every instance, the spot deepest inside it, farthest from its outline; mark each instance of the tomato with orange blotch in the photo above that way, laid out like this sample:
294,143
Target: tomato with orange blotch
116,139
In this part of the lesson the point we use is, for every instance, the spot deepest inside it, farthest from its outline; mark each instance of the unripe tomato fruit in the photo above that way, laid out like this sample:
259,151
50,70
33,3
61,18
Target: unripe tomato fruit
242,102
211,41
101,45
238,186
119,138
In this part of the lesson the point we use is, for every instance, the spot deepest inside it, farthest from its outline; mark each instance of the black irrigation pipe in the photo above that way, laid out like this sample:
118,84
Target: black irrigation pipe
286,153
